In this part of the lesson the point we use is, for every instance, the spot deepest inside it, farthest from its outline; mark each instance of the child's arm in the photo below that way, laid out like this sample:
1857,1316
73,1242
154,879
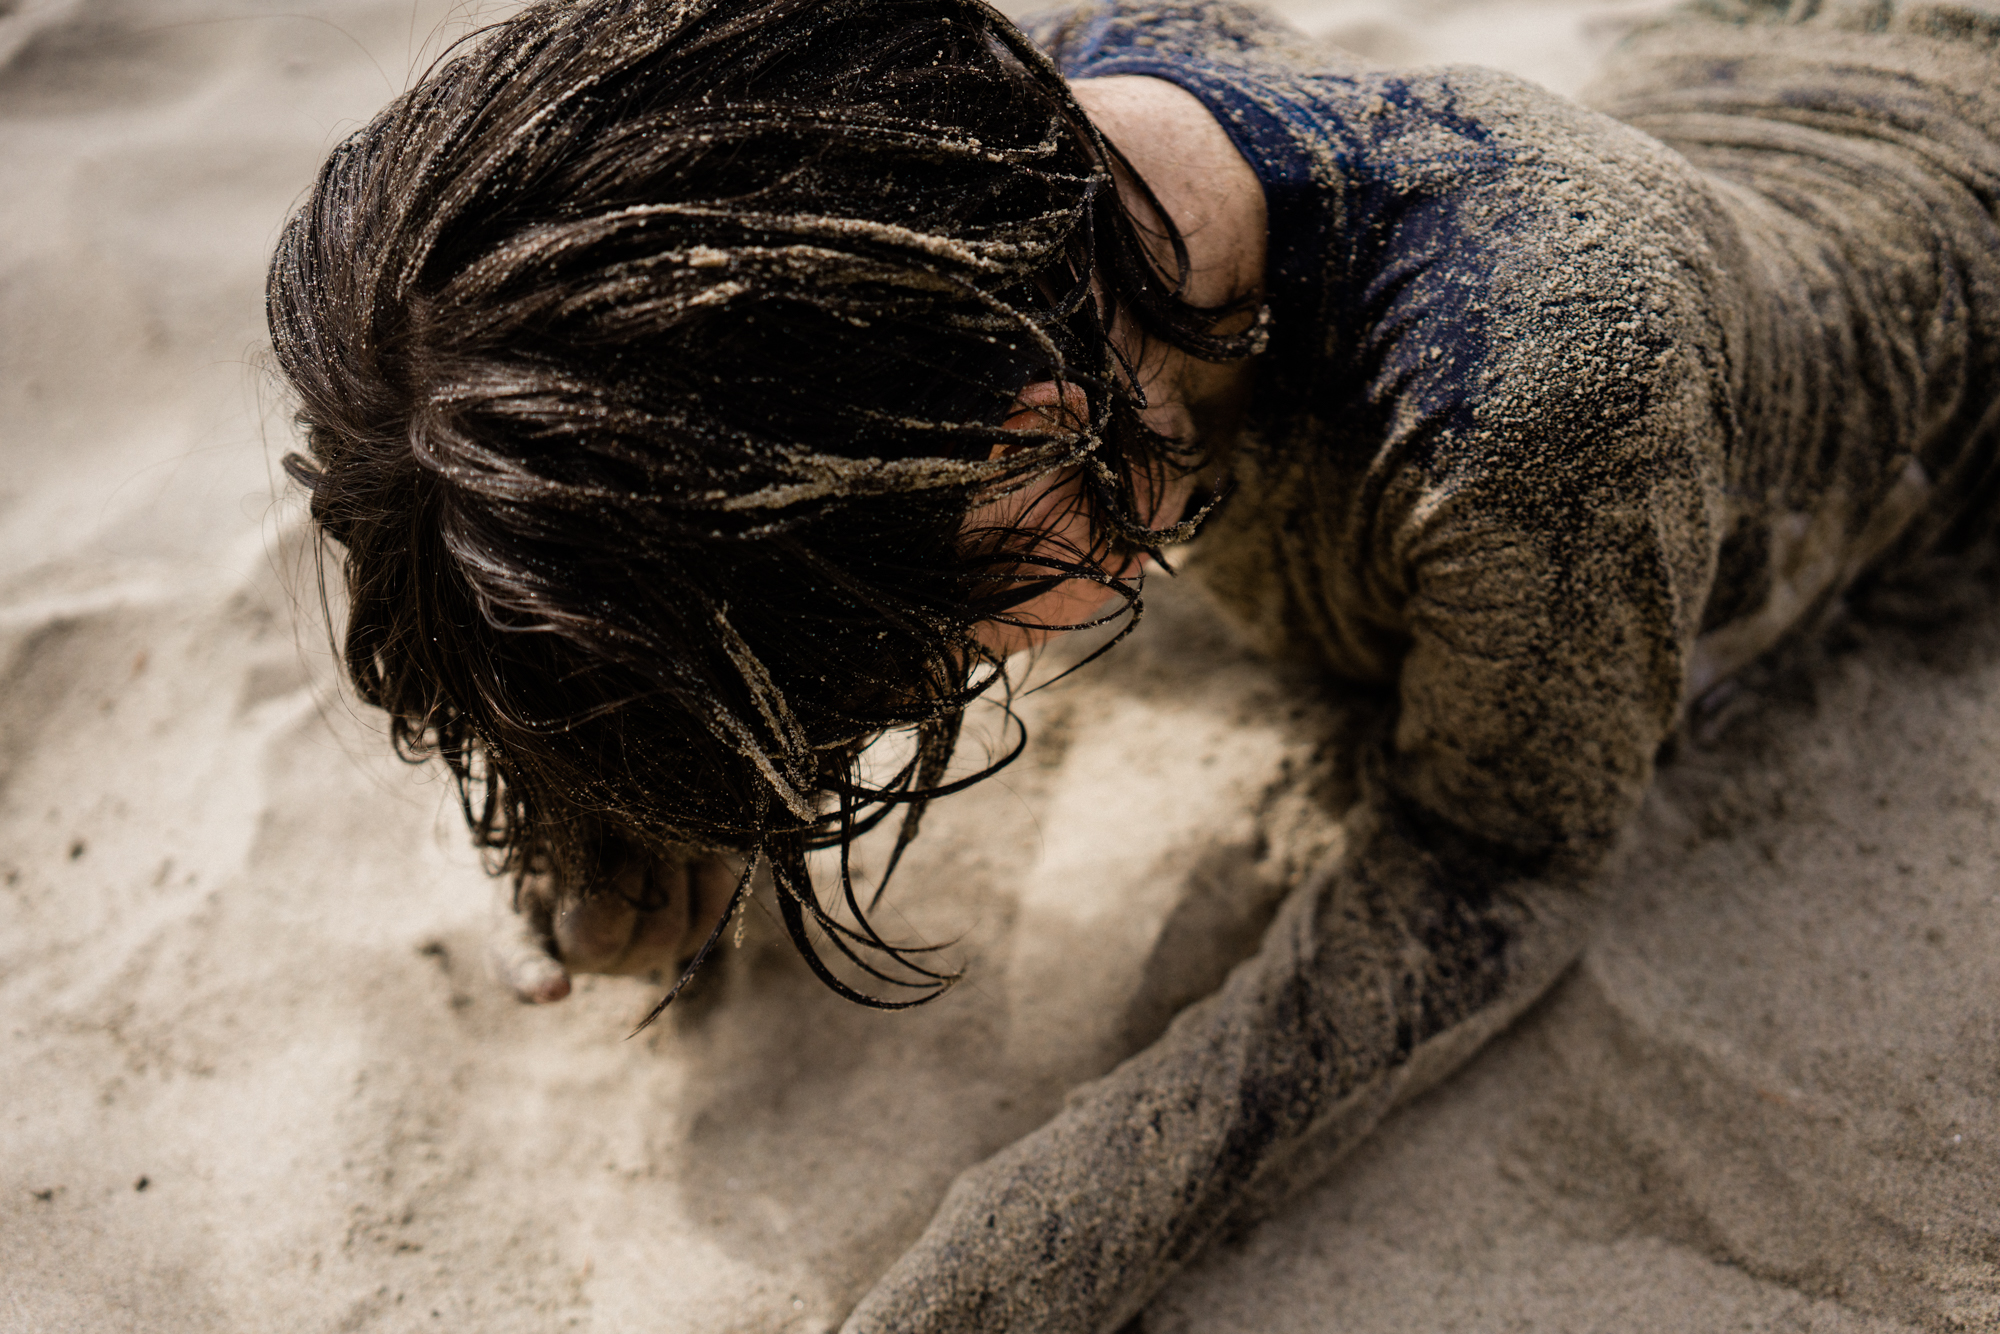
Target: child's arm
1380,975
1549,622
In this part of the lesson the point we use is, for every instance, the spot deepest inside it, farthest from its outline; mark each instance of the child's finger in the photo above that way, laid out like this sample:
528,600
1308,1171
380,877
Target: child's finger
659,937
519,949
593,933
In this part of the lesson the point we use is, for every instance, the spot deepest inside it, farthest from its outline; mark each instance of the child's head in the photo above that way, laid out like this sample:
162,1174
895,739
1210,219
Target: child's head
651,356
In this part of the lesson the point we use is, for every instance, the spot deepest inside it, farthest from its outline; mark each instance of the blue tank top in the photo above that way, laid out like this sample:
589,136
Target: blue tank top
1332,143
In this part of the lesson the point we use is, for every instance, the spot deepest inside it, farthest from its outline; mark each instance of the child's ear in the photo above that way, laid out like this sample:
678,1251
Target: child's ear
1046,406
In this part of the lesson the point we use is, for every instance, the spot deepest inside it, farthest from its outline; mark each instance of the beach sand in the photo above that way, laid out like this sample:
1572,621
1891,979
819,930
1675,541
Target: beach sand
256,1076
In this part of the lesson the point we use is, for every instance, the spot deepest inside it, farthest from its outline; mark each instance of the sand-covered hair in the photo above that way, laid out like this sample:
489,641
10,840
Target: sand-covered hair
650,355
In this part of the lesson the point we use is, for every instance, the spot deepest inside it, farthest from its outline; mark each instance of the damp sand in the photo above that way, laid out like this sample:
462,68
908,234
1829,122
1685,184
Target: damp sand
257,1077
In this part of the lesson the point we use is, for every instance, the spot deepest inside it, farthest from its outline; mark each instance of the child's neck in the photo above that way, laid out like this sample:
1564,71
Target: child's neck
1217,204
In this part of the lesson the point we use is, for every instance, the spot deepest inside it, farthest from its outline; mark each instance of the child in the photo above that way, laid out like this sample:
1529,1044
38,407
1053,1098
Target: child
699,391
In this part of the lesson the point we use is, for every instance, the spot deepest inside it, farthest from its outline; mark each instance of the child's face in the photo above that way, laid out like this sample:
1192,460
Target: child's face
1061,512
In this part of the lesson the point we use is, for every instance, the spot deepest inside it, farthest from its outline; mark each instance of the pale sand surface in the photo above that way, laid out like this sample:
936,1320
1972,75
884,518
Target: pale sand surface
240,947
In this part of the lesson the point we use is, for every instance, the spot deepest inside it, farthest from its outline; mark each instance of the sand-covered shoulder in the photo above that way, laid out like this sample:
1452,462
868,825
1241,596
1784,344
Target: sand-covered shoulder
255,1076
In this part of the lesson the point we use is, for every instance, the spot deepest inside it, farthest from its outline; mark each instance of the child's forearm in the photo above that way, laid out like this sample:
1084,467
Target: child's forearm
1381,973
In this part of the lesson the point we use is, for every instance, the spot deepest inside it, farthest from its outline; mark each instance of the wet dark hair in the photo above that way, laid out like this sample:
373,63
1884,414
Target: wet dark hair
650,356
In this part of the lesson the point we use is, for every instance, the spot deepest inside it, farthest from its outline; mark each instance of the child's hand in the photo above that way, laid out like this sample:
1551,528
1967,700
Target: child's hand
650,919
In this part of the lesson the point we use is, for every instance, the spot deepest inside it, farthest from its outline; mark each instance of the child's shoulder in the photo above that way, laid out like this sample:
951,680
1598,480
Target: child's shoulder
1081,37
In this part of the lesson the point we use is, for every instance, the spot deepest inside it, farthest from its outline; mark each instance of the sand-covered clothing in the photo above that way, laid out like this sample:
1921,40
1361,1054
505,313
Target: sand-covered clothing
1566,417
1559,421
